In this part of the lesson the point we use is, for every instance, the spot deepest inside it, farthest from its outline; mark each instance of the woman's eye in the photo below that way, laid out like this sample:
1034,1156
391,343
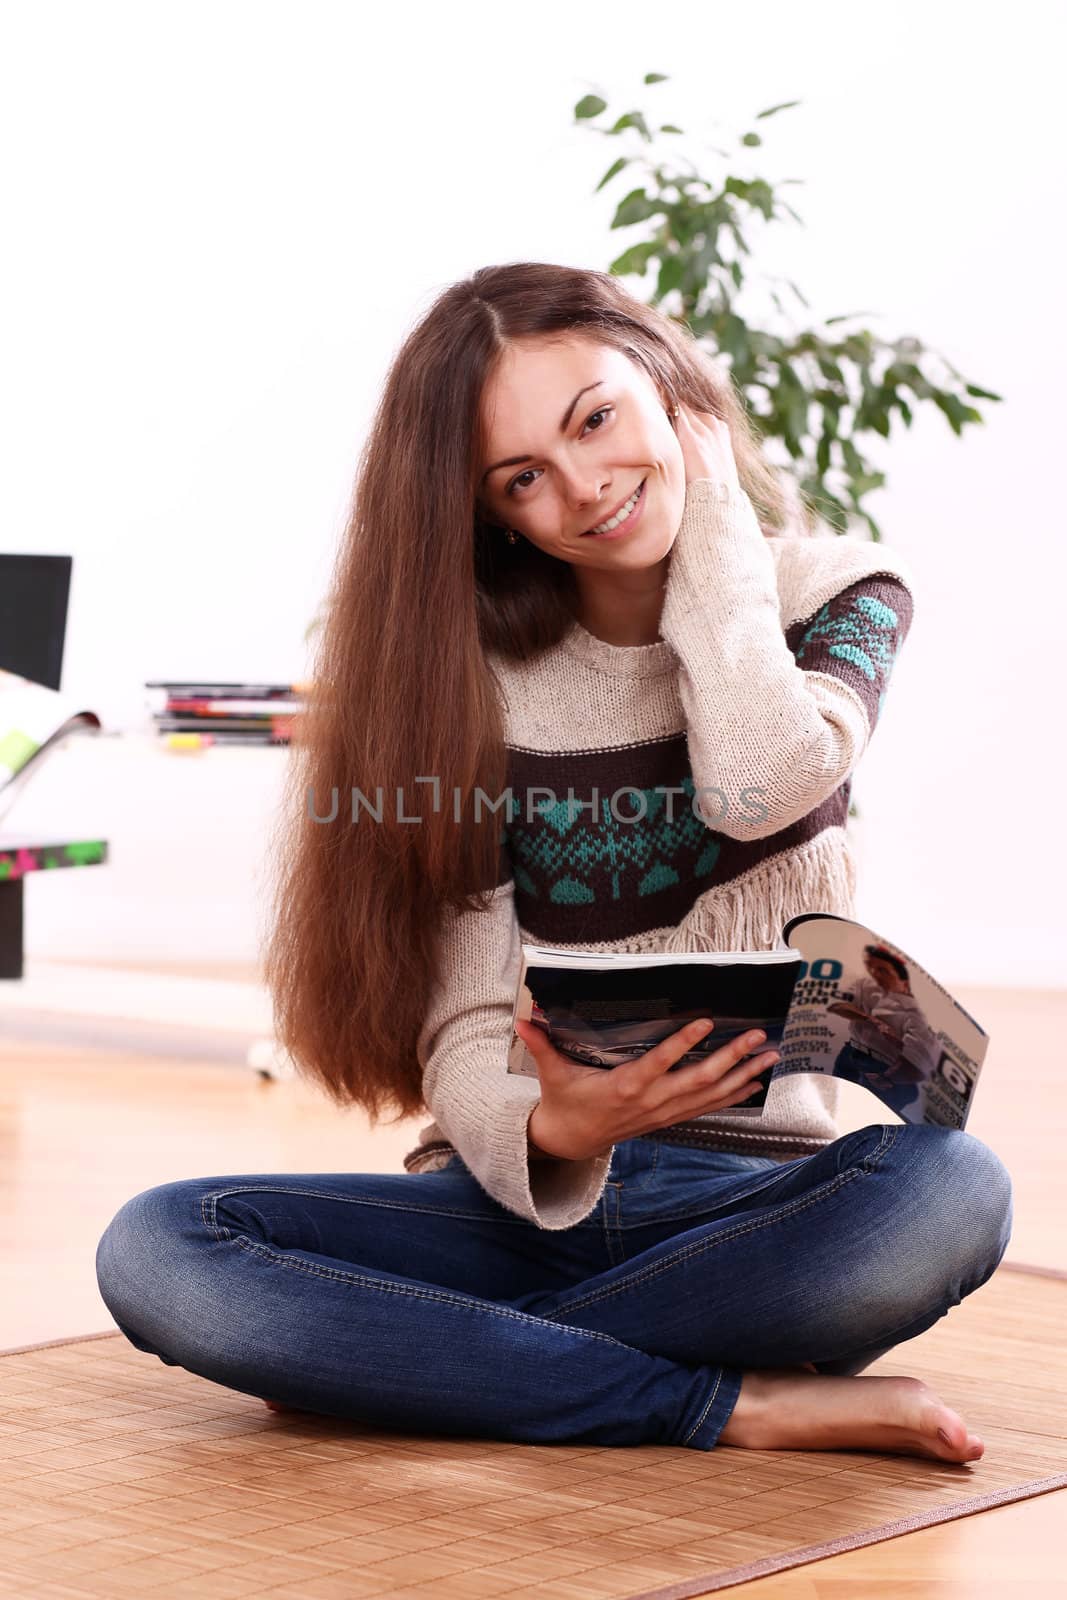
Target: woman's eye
517,483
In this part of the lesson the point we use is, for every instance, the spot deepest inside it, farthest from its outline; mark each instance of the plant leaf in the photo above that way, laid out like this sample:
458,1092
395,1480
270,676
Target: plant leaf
783,105
671,274
632,119
589,105
616,166
955,410
633,260
637,206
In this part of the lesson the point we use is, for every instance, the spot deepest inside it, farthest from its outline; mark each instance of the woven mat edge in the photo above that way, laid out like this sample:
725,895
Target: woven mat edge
767,1566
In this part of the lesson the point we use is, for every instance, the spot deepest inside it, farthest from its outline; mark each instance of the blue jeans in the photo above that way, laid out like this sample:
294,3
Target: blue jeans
417,1302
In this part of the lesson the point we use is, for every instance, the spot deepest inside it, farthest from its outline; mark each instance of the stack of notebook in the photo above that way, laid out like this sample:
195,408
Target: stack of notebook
226,713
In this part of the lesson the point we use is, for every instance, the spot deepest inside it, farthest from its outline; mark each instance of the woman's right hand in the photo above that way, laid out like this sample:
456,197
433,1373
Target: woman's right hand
583,1111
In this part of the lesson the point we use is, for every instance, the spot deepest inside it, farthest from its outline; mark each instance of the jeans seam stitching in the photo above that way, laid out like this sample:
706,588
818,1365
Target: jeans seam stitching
342,1199
700,1420
461,1302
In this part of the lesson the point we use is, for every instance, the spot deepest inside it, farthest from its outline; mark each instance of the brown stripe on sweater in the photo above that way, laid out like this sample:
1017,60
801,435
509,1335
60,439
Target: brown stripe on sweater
580,877
855,636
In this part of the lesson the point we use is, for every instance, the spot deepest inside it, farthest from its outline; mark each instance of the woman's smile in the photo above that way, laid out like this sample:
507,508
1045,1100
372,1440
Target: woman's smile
630,514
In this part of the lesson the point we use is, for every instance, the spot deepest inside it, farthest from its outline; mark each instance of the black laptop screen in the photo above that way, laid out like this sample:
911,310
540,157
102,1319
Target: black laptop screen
34,591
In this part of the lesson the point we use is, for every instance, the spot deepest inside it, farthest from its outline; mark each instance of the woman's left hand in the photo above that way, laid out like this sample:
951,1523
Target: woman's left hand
706,447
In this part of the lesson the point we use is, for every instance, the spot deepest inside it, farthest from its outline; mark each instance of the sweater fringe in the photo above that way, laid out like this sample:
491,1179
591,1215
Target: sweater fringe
750,912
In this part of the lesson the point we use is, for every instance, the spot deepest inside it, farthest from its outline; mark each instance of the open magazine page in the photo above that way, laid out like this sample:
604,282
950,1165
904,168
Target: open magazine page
32,718
608,1013
865,1011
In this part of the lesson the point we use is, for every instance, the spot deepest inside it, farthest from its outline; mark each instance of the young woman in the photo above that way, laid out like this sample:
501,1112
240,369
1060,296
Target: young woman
583,682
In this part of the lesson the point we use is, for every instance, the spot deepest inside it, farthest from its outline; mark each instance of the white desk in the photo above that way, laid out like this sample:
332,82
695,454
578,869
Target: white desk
188,869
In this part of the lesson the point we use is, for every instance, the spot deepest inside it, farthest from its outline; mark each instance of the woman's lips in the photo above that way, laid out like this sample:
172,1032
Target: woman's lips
624,527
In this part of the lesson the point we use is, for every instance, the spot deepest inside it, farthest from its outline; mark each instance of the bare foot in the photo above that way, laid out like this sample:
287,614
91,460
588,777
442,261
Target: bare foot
785,1409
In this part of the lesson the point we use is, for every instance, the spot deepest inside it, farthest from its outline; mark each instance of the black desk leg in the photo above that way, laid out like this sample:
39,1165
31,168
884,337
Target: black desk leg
11,928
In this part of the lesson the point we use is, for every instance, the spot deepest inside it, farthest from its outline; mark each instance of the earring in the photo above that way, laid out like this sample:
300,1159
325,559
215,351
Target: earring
512,536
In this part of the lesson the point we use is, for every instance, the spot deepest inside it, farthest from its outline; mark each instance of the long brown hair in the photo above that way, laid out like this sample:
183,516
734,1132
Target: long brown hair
423,586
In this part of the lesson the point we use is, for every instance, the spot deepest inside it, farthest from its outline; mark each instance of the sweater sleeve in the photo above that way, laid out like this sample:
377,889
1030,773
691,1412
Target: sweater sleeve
481,1107
774,729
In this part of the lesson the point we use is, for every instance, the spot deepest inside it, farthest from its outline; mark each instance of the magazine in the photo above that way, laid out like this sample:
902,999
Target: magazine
33,720
834,999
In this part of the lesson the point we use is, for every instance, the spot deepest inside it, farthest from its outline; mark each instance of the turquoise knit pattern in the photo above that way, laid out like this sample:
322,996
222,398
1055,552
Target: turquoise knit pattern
642,857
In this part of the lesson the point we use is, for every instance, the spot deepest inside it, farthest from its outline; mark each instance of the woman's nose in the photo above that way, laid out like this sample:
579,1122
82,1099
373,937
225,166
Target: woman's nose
583,493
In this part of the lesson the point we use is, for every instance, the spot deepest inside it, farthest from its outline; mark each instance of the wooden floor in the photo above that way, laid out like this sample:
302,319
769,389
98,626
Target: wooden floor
83,1128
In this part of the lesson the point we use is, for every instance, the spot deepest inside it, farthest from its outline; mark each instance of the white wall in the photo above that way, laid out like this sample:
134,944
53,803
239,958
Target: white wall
224,217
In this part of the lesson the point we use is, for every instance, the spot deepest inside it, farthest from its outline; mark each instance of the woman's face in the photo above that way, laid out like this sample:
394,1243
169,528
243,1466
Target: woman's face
586,453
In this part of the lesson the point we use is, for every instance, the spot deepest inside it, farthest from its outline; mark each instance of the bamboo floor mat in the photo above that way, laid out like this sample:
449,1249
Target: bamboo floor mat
124,1477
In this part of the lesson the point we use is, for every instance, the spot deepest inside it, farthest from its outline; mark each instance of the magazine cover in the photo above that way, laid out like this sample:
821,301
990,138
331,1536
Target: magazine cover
866,1011
836,999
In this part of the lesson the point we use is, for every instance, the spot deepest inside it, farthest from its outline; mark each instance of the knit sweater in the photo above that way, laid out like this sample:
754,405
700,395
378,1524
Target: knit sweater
731,743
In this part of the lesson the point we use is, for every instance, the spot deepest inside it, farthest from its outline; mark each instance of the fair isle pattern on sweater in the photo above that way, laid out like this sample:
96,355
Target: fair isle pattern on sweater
642,863
770,673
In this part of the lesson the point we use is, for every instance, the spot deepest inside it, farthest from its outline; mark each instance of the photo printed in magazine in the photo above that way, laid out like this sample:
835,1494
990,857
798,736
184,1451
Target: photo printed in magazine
864,1010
